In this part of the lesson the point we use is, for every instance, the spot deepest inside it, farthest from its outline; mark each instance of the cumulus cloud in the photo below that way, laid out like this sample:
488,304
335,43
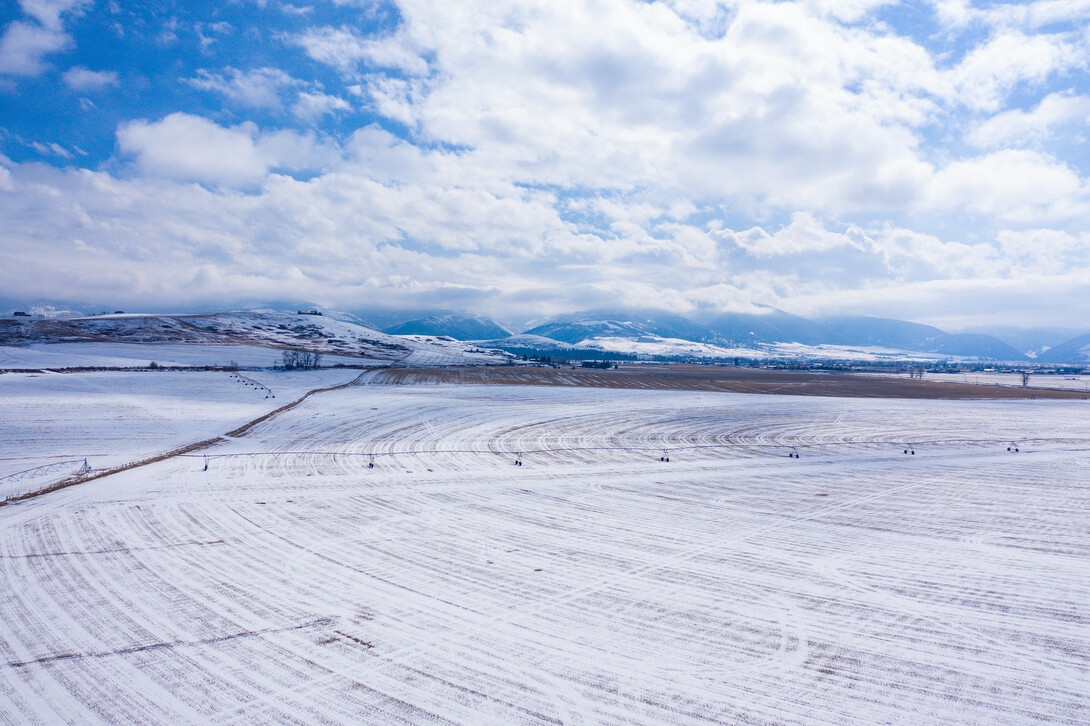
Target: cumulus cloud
346,49
619,95
1011,185
255,88
989,72
23,46
805,233
49,12
83,80
554,155
1027,15
1045,251
312,106
1018,127
191,148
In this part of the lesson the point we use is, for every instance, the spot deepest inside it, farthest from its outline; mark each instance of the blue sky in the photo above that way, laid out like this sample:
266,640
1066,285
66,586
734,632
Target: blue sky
925,161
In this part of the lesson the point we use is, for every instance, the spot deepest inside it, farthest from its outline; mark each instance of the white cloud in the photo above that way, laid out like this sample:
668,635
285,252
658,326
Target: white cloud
1022,128
289,9
955,304
345,49
914,256
618,95
847,10
192,148
81,79
49,12
1013,15
575,153
255,88
989,72
312,106
804,234
1013,185
50,149
23,45
1045,251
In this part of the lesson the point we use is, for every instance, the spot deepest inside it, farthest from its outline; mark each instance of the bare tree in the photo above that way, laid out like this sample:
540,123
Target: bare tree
292,359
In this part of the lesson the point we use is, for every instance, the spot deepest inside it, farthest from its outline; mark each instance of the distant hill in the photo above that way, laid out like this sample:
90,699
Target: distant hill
775,326
290,331
1033,342
972,344
903,335
577,327
768,332
772,327
460,327
1076,350
881,332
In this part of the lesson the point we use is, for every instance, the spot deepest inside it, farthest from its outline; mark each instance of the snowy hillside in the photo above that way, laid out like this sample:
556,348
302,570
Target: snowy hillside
769,333
649,346
213,339
460,327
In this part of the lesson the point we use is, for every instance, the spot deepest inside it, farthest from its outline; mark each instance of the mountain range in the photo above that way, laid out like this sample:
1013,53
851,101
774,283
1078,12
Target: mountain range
608,333
769,331
460,327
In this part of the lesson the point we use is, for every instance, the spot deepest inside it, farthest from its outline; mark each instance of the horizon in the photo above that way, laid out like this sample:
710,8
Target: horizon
912,162
381,319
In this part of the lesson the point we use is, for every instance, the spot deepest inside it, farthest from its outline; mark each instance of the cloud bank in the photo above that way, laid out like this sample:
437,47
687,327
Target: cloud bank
925,162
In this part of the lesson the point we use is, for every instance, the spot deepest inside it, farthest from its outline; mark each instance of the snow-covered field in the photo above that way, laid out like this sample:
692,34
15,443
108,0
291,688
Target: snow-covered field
594,584
114,417
130,355
676,347
1036,380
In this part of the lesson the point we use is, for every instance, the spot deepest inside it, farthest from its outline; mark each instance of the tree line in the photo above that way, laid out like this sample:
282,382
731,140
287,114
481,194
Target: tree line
300,359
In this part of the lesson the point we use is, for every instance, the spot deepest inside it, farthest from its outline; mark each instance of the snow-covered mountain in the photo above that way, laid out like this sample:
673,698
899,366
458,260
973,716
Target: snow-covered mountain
461,327
768,333
772,326
578,327
1076,350
608,333
1034,342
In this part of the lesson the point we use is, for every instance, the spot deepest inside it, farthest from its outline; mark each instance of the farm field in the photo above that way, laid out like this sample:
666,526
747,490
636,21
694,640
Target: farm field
113,417
1079,383
130,355
292,582
688,377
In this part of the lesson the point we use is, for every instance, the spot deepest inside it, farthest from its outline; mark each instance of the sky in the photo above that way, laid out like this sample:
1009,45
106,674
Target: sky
919,160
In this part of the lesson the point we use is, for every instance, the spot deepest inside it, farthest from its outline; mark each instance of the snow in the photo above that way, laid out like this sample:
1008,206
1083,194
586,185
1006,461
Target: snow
522,340
249,338
124,355
680,348
1060,381
853,353
115,417
594,584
